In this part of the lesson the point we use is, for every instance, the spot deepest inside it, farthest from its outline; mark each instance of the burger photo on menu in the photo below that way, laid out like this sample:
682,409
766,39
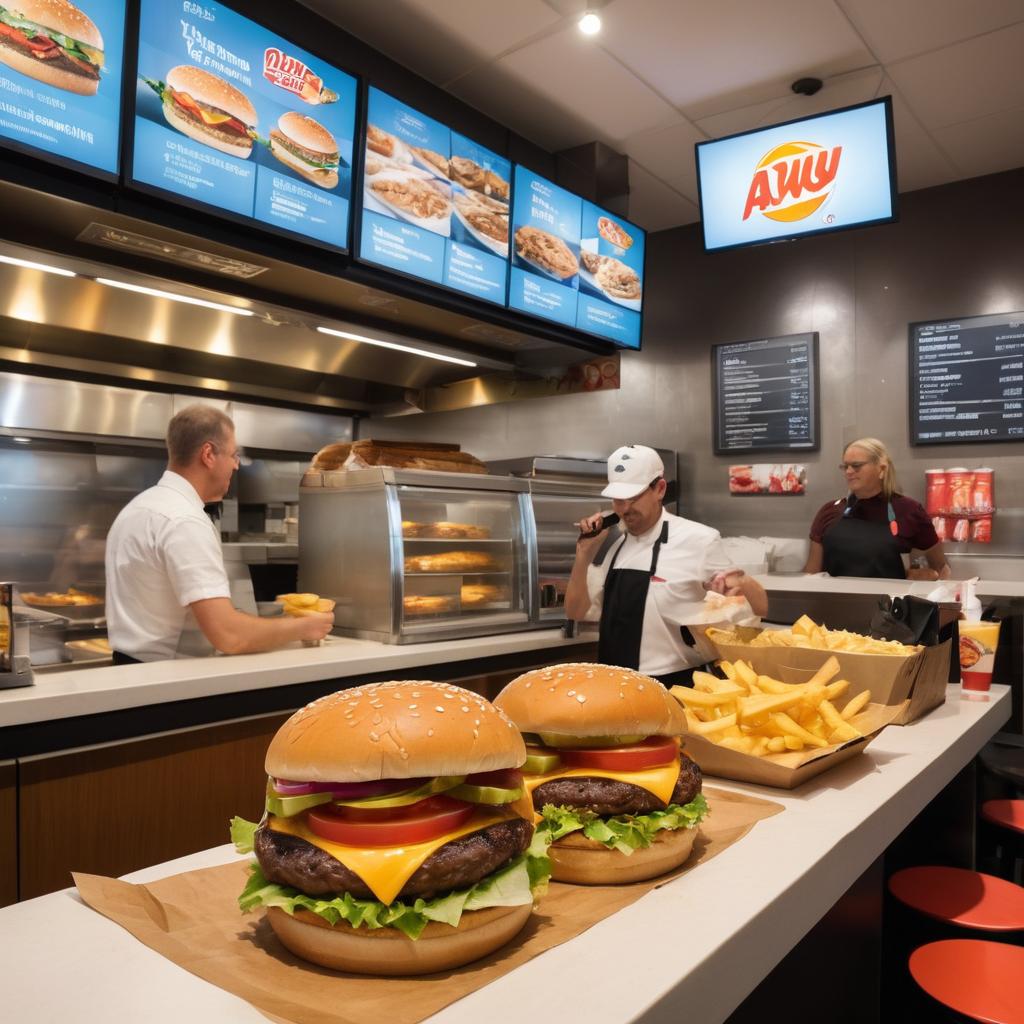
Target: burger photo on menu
398,837
52,41
615,796
208,108
306,147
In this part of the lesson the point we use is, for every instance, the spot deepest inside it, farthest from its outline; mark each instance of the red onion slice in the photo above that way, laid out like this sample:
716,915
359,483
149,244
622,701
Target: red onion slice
345,790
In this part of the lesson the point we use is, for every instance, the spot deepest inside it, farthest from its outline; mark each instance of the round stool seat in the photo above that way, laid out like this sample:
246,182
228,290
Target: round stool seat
957,896
1007,813
980,980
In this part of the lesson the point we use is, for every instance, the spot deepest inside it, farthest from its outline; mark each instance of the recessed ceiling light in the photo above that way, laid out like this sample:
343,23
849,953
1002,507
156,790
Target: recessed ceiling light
395,345
31,265
590,23
157,293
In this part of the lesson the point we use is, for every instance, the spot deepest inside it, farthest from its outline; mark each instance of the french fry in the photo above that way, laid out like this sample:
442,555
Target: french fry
718,725
843,732
777,744
833,690
727,668
855,704
745,674
806,633
787,725
826,672
699,699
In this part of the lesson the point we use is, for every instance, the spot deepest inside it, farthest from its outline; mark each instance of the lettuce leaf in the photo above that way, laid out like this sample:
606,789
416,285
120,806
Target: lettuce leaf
625,832
519,883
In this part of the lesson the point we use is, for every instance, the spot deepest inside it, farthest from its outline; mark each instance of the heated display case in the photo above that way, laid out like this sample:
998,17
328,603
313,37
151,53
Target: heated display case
411,555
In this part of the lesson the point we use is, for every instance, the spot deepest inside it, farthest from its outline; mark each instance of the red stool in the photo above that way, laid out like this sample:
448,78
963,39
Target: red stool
979,981
1005,819
967,899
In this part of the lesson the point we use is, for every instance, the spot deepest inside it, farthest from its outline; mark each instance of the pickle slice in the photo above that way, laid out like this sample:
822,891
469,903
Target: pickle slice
539,762
557,739
286,806
485,794
441,784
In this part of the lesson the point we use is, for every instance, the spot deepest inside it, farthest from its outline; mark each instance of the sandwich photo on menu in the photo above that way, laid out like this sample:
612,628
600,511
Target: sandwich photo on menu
54,42
207,108
306,147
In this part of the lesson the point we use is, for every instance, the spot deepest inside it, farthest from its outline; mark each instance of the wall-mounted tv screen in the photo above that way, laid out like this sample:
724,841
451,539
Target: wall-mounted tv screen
60,81
967,379
435,204
231,116
575,263
824,173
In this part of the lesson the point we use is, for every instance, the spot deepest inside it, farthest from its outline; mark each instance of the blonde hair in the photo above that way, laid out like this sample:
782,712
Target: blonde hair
878,453
191,428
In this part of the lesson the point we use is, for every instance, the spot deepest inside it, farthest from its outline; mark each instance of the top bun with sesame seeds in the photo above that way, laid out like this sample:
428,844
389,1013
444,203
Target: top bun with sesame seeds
591,700
394,730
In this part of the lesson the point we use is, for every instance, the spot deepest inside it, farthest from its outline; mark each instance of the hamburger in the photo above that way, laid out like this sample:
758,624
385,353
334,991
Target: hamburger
616,798
209,109
397,834
306,147
54,42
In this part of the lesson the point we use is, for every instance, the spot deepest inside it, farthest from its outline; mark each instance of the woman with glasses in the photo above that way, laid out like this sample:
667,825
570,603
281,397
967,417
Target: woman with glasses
868,532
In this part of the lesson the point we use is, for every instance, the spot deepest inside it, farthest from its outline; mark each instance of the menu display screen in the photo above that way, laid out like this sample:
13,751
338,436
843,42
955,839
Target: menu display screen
435,204
232,116
60,80
766,394
575,263
824,173
967,379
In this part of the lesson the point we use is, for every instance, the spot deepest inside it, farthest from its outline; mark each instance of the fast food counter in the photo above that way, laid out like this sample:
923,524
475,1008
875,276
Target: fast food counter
693,949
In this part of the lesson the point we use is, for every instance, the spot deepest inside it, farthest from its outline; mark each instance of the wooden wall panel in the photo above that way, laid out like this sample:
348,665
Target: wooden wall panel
115,809
8,833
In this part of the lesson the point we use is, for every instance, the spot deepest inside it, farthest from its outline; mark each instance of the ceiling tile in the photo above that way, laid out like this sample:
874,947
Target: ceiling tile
897,30
708,58
920,163
438,40
563,79
986,145
977,77
655,206
668,154
839,91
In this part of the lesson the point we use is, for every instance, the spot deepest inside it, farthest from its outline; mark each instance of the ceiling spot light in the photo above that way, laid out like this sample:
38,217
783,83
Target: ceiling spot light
590,23
158,293
45,267
391,344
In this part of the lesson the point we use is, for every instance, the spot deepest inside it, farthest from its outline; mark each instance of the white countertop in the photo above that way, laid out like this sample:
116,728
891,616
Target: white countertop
823,584
691,950
90,691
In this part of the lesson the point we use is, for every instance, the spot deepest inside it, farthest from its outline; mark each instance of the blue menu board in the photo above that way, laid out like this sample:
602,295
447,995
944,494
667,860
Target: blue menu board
575,263
61,96
234,117
435,204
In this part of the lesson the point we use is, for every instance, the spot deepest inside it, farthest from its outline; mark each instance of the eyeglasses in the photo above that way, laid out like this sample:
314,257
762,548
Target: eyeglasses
236,456
855,466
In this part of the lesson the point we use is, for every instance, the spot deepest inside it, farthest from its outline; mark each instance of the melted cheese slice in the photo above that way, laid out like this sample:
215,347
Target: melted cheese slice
385,869
660,781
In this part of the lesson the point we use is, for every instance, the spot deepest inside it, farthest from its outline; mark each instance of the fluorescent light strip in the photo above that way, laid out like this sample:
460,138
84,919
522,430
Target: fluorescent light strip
30,265
158,294
394,345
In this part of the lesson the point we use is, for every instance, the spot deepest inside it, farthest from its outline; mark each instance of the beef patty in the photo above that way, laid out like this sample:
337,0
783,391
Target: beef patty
609,797
289,860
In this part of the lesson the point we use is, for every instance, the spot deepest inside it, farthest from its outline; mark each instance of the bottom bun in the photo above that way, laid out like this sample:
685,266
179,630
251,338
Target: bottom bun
319,176
387,951
585,862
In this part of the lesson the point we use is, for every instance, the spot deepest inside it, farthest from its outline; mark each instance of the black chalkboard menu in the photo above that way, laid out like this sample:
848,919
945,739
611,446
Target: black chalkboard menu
967,379
766,394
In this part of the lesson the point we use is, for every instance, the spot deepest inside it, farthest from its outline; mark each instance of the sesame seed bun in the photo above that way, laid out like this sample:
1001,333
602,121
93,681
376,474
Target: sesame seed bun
212,90
63,17
307,132
591,700
394,730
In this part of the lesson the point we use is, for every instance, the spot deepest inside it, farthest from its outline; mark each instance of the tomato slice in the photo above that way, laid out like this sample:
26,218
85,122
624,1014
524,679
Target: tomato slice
649,753
396,826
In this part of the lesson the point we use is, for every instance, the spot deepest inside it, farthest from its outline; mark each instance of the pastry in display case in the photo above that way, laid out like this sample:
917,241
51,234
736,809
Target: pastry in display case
412,555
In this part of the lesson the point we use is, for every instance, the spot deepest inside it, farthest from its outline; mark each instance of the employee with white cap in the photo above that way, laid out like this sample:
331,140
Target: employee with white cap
651,584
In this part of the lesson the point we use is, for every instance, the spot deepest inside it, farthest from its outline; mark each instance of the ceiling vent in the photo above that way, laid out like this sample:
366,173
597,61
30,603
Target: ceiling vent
155,248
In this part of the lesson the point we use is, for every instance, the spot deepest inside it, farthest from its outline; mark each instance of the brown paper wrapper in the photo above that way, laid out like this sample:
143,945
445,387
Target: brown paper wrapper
193,919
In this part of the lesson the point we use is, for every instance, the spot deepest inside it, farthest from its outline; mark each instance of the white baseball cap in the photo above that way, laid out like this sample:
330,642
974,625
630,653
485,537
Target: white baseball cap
631,470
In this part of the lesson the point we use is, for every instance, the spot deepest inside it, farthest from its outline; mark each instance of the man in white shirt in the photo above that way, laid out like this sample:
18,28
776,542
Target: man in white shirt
167,590
651,584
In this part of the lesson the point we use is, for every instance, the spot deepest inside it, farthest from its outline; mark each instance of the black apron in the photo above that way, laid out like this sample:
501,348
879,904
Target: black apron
622,615
856,547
